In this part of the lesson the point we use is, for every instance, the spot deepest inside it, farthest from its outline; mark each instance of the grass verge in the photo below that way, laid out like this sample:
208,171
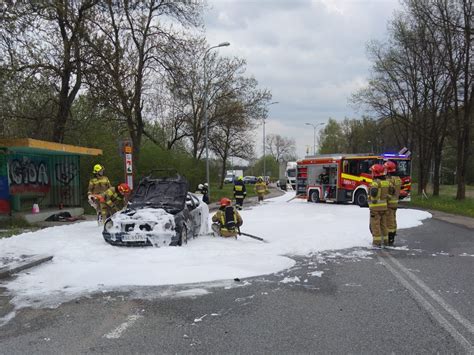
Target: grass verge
446,204
10,226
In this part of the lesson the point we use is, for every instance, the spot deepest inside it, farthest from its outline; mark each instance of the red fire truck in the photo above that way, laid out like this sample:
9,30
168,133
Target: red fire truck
345,178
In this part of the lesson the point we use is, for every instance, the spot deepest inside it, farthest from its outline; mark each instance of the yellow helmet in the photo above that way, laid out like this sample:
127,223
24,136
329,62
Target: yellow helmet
97,168
240,178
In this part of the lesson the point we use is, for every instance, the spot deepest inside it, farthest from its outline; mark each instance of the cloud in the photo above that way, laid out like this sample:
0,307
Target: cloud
310,54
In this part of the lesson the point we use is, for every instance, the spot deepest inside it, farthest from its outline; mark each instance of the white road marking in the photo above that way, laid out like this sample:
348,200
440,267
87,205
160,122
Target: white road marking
196,320
117,332
455,314
429,308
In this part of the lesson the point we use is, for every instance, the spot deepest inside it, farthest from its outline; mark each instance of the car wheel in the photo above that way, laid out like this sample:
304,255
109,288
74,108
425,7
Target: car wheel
361,199
314,197
183,237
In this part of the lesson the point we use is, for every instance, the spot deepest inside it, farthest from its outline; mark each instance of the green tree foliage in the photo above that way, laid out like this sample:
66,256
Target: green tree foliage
331,138
271,166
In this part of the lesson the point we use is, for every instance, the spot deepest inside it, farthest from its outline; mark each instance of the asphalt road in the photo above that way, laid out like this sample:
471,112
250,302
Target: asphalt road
415,300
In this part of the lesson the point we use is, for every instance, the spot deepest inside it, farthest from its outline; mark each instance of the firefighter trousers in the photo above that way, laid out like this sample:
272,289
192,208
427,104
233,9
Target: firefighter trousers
378,227
392,219
239,202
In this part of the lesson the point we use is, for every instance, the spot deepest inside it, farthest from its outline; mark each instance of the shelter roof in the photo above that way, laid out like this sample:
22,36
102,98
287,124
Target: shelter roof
29,145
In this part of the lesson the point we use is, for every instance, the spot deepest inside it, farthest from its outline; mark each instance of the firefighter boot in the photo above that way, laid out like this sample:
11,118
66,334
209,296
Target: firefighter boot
376,242
391,238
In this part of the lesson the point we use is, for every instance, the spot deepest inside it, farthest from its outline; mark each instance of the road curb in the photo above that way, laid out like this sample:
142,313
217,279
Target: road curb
26,263
465,221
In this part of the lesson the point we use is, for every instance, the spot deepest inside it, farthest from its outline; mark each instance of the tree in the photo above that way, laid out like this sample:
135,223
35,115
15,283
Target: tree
422,79
331,138
128,45
232,136
451,24
280,148
225,83
45,40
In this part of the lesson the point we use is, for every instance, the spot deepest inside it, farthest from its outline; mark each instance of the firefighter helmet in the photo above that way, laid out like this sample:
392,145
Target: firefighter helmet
260,178
390,166
97,168
123,188
200,186
240,178
206,184
225,202
377,170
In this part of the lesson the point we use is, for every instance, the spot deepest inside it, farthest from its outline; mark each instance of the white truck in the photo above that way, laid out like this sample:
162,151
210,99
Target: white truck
290,174
231,175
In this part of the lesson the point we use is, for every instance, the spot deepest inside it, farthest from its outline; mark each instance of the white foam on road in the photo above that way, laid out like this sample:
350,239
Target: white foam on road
84,263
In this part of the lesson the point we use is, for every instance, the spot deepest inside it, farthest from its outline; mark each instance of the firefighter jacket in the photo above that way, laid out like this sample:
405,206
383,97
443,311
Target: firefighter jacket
229,221
98,185
240,191
260,188
393,191
113,200
378,194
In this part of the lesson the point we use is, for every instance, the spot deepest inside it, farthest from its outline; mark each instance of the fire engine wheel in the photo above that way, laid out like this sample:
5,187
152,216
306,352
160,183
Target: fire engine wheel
183,238
314,197
361,199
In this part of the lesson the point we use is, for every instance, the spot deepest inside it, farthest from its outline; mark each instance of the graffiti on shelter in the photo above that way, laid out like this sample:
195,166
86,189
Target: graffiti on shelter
65,175
28,175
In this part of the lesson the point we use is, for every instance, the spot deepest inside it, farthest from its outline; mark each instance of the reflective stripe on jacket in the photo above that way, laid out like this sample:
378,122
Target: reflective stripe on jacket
219,217
113,200
394,191
98,185
240,190
378,195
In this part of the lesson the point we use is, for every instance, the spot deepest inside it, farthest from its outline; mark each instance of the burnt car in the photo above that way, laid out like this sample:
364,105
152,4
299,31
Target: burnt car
161,212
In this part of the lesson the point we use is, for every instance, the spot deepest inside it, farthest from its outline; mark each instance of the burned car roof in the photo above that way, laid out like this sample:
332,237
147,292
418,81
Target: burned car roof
168,193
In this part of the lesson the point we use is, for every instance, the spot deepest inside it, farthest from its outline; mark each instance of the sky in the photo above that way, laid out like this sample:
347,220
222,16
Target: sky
84,263
310,54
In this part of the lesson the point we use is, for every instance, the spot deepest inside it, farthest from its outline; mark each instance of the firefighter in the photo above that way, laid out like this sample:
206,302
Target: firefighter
227,220
392,199
199,189
378,193
205,193
114,199
260,189
240,192
98,184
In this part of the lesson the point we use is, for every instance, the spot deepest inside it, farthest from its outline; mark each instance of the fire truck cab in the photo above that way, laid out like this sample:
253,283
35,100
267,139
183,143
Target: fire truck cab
343,178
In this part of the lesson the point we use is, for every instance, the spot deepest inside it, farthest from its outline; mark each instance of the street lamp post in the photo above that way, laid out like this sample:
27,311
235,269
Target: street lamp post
223,44
264,163
314,135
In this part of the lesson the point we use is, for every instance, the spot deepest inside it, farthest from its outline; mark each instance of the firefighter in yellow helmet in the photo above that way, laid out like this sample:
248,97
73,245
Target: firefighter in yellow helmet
240,192
227,220
260,189
114,199
392,199
378,192
98,184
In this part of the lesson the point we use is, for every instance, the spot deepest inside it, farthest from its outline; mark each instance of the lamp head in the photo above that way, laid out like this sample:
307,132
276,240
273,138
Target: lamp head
223,44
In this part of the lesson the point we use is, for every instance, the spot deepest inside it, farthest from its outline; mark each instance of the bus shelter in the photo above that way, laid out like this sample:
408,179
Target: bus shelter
35,172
